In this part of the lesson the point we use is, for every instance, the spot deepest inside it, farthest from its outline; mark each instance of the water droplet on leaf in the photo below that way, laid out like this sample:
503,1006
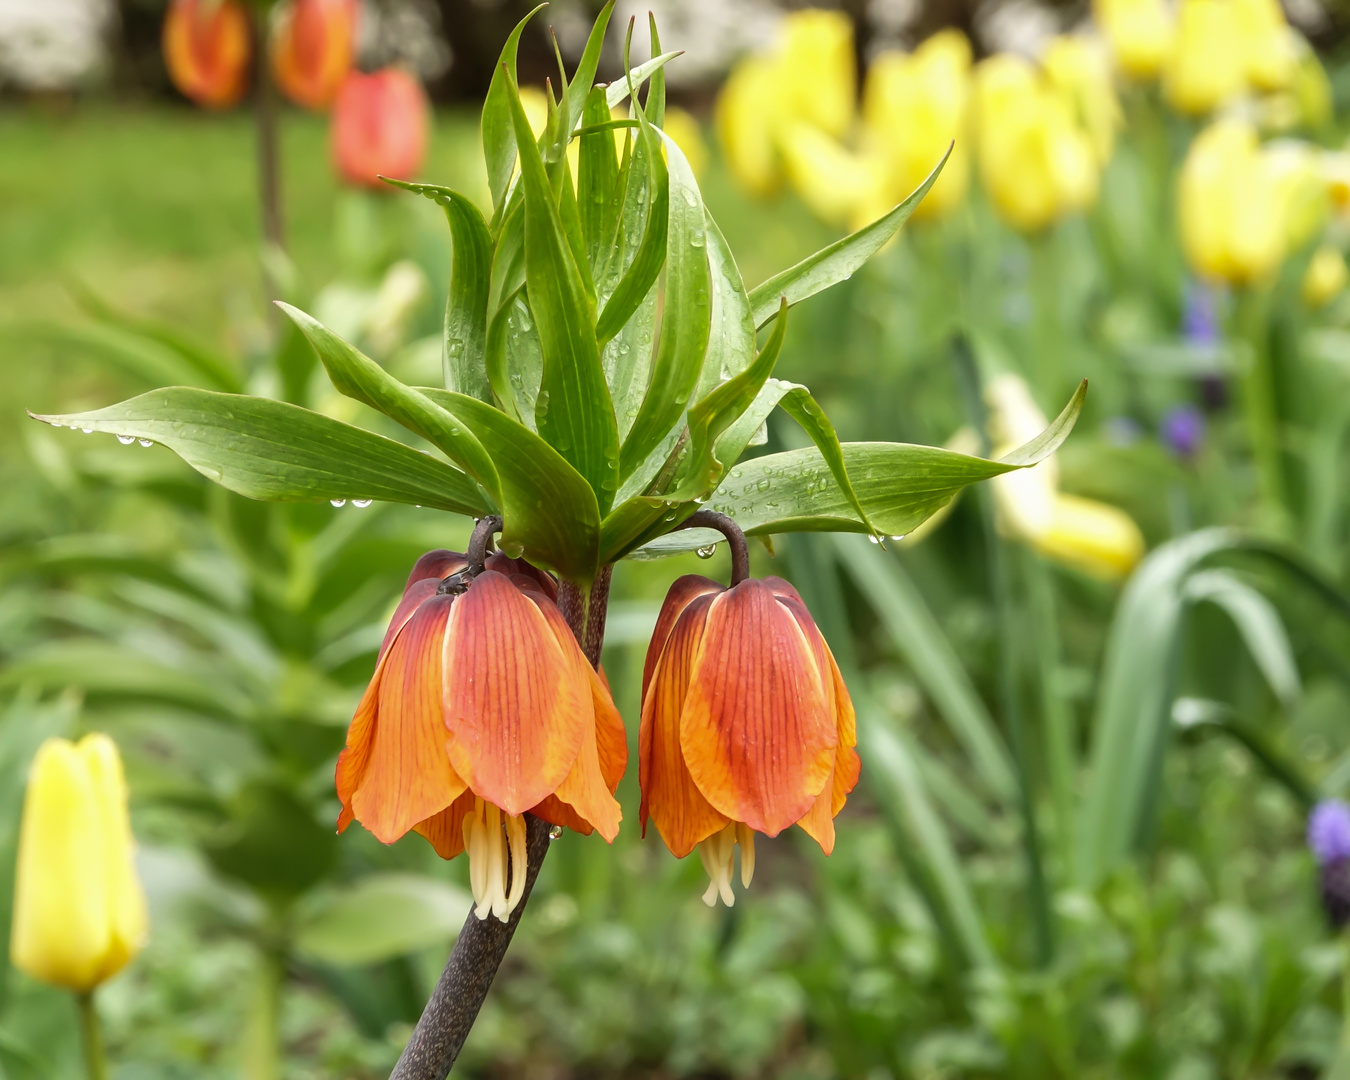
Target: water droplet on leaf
126,440
362,503
338,502
707,551
145,442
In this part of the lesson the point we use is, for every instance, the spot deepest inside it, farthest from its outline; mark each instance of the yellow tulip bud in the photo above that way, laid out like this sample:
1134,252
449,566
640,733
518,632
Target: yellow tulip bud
818,75
747,118
1325,277
1300,191
1077,69
685,132
1140,33
1335,168
1311,87
839,186
1269,47
914,107
79,911
1036,163
1232,223
1094,537
1208,65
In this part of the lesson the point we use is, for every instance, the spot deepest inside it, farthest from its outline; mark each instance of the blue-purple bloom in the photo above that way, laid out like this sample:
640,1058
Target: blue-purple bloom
1200,317
1183,430
1329,831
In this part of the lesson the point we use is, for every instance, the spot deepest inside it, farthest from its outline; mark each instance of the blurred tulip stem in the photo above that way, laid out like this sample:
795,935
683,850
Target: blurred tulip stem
262,1036
92,1035
1060,752
269,161
1008,641
1045,322
481,946
1252,327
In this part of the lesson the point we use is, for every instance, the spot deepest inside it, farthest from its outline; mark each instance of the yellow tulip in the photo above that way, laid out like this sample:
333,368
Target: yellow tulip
1076,68
746,119
1140,33
1326,276
1208,65
685,132
838,186
914,106
1301,194
1036,163
1232,223
1094,537
79,911
818,77
1269,46
1311,87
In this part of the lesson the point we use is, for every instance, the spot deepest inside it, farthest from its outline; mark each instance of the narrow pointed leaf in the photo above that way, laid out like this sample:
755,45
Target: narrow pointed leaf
268,449
802,407
359,377
656,92
548,509
470,275
574,100
617,92
499,141
731,337
836,263
1036,450
597,177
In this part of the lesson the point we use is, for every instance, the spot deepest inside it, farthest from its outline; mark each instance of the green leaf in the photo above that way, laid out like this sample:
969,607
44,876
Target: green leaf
1258,622
464,358
597,177
685,318
359,377
731,337
617,92
836,263
656,93
1049,440
920,639
548,509
573,412
802,407
574,100
380,917
499,141
272,450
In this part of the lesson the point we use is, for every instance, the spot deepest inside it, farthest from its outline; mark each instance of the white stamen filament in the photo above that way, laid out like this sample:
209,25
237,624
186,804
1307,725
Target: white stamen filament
717,853
495,844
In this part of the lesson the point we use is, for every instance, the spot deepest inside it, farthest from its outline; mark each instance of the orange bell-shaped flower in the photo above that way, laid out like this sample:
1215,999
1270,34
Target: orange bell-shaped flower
379,127
312,46
482,707
746,724
206,49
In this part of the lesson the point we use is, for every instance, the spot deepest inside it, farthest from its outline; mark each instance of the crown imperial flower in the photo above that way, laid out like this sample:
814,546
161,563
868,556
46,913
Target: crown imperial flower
312,49
206,49
380,126
746,724
482,707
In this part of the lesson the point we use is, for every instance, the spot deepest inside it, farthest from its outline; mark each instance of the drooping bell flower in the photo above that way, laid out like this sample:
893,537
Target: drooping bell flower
482,708
206,50
312,45
380,126
746,724
79,910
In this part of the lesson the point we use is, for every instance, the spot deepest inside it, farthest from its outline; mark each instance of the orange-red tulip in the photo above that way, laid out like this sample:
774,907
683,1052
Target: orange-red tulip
379,126
312,45
746,724
482,707
206,49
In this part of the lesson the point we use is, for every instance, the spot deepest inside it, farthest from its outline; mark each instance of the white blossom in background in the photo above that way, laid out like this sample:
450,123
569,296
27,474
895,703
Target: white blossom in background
52,44
405,32
712,33
1017,26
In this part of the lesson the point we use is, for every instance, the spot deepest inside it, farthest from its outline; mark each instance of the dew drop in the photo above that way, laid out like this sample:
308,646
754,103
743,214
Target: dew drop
338,502
873,538
145,442
554,832
362,503
897,537
707,551
87,430
126,440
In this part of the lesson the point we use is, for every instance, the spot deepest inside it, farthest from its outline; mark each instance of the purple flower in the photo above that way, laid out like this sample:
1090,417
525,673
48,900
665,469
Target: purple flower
1183,430
1329,831
1200,318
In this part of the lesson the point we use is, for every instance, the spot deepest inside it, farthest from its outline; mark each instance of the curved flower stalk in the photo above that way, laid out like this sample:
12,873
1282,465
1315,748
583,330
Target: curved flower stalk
1092,536
594,432
482,708
746,723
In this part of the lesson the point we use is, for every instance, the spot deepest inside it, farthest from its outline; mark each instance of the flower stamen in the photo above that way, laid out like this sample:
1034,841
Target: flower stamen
718,853
495,844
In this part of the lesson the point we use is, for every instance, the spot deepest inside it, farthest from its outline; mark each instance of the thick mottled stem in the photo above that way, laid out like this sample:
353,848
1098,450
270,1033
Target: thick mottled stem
464,984
481,947
740,550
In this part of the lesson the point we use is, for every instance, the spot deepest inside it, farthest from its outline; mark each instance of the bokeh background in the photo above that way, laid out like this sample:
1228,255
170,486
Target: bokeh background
1097,703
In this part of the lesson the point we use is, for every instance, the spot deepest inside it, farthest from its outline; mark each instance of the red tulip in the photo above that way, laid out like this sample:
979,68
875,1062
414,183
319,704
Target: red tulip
379,126
482,707
206,49
312,45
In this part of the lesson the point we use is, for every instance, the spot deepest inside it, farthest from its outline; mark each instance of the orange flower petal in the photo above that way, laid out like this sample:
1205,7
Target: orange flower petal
435,564
516,704
584,790
543,581
312,46
757,730
206,50
445,831
682,593
409,776
610,734
670,798
819,820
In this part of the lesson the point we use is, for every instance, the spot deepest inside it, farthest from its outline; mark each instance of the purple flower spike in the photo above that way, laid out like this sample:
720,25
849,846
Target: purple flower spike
1200,317
1183,430
1329,831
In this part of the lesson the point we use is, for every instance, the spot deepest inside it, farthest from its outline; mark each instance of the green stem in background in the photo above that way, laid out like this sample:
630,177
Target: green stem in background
1046,337
1060,749
1001,581
1251,326
1340,1064
92,1037
269,166
262,1035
